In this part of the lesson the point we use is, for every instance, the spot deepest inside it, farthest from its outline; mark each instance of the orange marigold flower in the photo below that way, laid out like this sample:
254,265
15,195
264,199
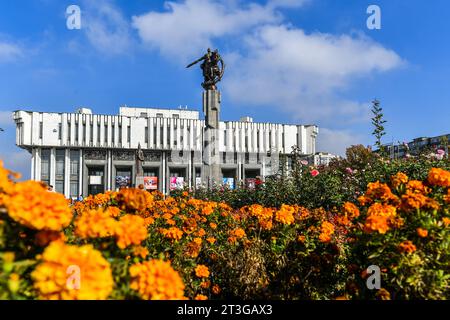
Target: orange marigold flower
30,204
140,251
407,247
202,271
134,200
156,280
447,197
60,261
211,240
200,297
351,210
114,211
423,233
238,233
216,289
377,191
130,230
327,229
399,179
379,217
417,187
439,177
6,177
446,221
172,233
213,225
95,224
413,200
285,215
205,284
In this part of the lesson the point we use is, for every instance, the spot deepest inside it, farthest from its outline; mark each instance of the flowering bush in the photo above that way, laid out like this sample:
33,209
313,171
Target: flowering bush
132,244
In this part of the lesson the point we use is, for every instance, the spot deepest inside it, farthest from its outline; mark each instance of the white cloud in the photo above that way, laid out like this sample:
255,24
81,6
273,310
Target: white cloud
303,73
6,118
106,28
337,141
9,51
186,28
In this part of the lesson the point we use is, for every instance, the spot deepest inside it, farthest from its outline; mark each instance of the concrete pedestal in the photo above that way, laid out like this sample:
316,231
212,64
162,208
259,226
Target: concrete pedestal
211,154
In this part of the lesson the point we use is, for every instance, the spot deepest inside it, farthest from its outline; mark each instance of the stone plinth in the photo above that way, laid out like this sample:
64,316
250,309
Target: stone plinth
211,154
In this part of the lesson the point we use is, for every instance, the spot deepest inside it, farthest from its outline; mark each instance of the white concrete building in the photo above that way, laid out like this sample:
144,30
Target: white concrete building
85,153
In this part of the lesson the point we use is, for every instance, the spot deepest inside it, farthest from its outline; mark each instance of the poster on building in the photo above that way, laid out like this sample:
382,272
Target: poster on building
198,182
229,182
250,183
123,181
176,183
151,183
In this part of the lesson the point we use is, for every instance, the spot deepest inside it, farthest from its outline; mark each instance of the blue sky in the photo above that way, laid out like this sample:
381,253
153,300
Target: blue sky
289,61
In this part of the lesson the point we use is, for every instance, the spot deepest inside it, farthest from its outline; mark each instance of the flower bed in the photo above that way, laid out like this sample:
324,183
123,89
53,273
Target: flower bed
133,244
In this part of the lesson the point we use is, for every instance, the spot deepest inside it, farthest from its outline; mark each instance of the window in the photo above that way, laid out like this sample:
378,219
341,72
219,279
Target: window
161,137
106,133
59,131
41,129
159,115
144,114
129,134
84,132
113,134
73,189
120,133
146,134
76,131
59,186
168,135
225,138
45,165
74,162
154,135
60,157
282,139
270,139
176,116
257,139
98,133
91,133
69,131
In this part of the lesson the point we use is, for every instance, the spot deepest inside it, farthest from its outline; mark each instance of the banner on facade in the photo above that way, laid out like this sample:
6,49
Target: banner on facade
250,183
123,181
176,183
151,183
198,182
229,182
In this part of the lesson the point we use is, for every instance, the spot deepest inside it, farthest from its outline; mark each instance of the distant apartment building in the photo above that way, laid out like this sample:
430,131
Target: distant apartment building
418,146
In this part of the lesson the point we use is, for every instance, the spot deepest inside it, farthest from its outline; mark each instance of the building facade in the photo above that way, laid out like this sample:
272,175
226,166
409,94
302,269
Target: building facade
417,146
83,153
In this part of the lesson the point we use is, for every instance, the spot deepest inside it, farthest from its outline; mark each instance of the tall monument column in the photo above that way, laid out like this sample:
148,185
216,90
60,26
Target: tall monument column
211,154
213,69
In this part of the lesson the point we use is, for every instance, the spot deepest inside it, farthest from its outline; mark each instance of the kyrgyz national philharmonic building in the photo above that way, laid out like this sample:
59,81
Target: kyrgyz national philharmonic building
83,153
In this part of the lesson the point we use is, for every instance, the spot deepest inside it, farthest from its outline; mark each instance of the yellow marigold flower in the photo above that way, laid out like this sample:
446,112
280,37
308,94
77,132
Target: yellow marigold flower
439,177
30,204
285,215
423,233
156,280
407,247
198,241
130,230
201,232
200,297
56,277
202,271
207,210
399,179
95,224
172,233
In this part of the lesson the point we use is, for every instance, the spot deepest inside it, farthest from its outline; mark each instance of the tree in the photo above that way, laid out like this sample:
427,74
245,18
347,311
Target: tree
378,122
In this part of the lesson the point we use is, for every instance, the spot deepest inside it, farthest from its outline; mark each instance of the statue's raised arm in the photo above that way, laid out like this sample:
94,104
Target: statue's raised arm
195,62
